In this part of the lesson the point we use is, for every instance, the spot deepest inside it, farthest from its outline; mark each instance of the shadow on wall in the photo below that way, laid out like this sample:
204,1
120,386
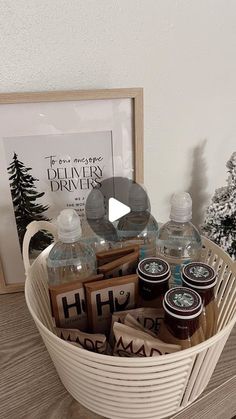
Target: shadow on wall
199,182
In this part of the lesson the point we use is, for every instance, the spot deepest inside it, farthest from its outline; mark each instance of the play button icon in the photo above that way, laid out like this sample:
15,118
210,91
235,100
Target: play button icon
117,199
116,209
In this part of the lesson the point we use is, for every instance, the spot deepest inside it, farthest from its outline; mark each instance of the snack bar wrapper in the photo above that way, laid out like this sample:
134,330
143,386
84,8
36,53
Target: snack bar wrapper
135,343
94,342
149,318
132,322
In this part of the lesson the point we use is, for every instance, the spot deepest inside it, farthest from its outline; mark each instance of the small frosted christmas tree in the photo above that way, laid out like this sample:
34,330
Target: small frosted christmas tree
220,221
24,196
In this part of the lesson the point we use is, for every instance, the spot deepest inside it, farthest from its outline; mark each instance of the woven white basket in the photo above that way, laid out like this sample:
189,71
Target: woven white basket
122,388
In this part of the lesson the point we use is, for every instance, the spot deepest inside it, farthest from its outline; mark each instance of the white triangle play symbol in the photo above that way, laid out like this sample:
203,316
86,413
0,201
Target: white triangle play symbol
117,209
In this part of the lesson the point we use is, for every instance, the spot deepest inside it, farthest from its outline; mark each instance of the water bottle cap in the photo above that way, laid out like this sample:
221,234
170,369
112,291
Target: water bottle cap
69,226
138,200
95,205
181,207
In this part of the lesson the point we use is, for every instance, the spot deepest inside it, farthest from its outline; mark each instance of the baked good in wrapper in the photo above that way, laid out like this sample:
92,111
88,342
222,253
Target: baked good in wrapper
130,342
108,296
132,322
108,256
118,262
150,318
68,303
94,342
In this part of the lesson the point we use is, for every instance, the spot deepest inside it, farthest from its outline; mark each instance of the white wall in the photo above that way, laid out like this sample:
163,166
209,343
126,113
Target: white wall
183,52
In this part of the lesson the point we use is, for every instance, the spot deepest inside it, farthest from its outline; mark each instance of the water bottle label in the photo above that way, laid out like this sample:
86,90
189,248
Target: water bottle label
147,245
176,265
148,250
176,270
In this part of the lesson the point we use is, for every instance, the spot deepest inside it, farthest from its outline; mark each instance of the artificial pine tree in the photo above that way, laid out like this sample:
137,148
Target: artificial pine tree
24,196
220,221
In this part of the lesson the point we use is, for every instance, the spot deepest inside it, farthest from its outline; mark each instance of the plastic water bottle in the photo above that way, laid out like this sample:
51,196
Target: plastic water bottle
179,241
97,231
70,259
139,226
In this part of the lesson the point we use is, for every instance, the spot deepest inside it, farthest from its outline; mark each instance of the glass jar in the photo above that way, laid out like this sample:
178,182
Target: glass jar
181,326
202,278
154,274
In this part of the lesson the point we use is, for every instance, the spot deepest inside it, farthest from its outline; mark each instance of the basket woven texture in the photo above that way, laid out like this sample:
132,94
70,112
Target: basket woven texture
122,388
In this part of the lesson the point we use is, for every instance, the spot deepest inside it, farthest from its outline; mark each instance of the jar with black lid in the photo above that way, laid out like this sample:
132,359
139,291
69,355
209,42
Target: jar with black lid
154,275
181,326
201,277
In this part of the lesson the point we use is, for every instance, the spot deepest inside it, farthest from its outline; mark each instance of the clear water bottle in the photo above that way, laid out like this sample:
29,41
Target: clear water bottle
179,241
139,226
69,259
97,231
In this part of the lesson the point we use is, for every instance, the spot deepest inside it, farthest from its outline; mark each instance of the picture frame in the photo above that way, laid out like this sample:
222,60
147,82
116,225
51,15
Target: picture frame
32,123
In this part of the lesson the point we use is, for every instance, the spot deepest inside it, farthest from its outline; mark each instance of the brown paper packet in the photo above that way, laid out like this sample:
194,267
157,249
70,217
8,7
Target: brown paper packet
109,256
150,318
93,278
125,265
135,343
108,351
92,342
68,303
108,296
132,322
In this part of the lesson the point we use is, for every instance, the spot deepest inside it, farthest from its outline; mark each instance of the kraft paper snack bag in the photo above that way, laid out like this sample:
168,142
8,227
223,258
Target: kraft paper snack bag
68,303
108,256
150,318
108,296
134,343
121,266
91,342
132,322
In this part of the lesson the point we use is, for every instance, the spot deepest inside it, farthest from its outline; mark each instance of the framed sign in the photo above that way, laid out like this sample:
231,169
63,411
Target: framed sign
55,147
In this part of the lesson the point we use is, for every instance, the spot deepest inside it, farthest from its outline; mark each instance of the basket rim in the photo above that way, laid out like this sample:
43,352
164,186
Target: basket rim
122,361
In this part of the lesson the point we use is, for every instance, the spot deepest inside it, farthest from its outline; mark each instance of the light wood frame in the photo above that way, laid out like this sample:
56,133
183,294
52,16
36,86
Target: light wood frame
136,94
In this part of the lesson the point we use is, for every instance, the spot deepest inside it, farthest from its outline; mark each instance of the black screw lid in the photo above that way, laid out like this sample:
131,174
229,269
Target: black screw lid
154,269
182,302
199,275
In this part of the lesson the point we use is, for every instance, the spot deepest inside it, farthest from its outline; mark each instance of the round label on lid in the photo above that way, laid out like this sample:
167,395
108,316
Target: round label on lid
198,273
183,301
154,268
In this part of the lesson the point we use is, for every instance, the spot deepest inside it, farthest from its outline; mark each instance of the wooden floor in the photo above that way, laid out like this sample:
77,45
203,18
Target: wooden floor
31,389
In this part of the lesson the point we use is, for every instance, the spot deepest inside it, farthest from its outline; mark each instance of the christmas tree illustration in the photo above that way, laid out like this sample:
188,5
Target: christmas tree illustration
220,221
24,197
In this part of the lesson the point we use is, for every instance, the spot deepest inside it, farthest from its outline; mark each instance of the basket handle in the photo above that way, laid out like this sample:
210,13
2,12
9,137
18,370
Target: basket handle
31,229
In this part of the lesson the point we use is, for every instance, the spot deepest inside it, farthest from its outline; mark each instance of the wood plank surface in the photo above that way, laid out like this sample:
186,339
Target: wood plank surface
31,389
